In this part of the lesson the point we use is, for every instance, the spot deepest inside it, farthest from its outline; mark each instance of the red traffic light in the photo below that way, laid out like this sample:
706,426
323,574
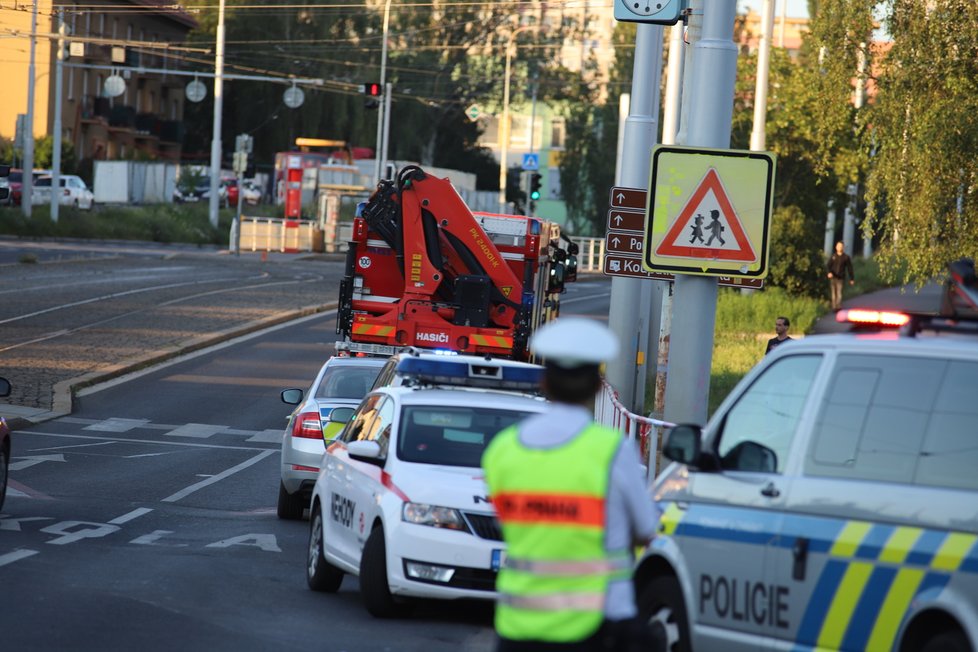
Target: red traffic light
372,89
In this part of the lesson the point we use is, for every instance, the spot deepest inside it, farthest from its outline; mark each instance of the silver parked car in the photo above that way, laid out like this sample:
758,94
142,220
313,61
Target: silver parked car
341,382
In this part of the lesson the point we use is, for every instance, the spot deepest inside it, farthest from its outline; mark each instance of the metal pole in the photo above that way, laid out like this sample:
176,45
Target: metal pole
829,242
631,305
670,128
218,111
695,300
504,126
56,129
860,101
387,127
531,205
781,25
27,182
236,244
382,109
758,136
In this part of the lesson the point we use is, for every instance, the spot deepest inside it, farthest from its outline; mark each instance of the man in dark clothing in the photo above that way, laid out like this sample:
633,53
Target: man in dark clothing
781,328
839,265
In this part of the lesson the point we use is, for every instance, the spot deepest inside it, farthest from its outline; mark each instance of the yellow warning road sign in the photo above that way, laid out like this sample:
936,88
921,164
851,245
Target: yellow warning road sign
709,212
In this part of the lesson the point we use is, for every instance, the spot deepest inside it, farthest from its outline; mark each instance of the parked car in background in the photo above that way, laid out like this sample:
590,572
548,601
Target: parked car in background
251,192
198,190
16,181
231,192
4,444
74,192
5,184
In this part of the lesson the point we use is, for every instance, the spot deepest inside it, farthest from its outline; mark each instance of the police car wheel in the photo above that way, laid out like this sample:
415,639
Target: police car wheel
374,588
952,641
661,603
320,574
290,506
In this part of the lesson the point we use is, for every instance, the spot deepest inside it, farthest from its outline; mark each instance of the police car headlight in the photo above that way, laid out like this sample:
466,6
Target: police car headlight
441,517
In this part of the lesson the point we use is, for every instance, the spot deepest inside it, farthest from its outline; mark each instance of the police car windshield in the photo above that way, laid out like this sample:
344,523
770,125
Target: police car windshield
347,381
450,436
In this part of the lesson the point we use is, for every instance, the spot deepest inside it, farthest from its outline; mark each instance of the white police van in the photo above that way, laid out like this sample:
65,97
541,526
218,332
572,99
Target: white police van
400,500
831,503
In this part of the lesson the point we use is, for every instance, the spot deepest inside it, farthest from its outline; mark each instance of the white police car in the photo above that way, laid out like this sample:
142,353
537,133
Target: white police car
400,500
831,503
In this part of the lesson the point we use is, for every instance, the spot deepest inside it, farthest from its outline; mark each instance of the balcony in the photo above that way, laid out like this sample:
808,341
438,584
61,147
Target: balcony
147,123
172,131
94,108
122,116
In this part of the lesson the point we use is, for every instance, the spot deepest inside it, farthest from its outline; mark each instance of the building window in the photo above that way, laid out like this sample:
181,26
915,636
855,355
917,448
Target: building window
115,28
558,133
101,25
84,83
553,183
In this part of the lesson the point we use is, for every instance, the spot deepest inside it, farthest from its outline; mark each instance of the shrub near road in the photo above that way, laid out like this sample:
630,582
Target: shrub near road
166,223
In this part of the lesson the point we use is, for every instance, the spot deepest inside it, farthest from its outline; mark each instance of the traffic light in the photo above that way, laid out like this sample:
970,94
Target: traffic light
371,89
535,179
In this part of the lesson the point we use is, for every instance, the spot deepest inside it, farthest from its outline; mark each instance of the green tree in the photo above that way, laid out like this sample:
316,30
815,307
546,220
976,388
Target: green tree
924,177
441,59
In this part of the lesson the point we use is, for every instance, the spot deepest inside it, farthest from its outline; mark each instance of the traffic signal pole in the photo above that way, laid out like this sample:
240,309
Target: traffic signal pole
633,299
711,87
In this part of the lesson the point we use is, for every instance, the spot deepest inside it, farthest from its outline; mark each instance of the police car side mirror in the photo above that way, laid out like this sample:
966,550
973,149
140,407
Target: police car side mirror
292,396
683,444
333,423
365,451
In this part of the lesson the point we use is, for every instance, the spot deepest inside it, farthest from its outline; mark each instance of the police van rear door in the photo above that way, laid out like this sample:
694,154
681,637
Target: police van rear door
732,516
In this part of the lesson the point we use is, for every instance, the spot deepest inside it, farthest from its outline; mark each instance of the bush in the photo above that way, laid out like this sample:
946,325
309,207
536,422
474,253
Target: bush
165,223
797,261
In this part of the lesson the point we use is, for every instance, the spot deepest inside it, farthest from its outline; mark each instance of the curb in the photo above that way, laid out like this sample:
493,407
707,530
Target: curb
65,390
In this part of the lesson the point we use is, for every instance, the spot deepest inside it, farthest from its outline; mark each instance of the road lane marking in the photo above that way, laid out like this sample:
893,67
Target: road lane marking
125,518
26,433
16,555
116,424
27,461
58,448
196,430
183,493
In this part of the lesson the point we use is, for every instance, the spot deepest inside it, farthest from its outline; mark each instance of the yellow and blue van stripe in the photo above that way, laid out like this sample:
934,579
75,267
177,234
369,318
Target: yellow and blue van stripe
871,575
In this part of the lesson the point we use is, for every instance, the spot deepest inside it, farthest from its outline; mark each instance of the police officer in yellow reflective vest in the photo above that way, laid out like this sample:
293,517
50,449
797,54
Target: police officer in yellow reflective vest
573,504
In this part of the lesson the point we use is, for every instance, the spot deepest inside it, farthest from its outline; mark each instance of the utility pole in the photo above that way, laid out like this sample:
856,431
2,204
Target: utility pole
670,130
695,300
384,103
632,298
215,200
27,179
56,130
387,126
530,204
504,124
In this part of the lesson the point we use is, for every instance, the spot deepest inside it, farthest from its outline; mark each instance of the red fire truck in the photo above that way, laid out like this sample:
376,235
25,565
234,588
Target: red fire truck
423,270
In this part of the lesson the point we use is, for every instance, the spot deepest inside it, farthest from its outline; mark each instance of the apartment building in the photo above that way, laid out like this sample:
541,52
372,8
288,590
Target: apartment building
105,38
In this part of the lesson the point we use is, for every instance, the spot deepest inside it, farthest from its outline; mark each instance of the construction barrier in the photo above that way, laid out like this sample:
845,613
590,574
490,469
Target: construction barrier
609,411
276,234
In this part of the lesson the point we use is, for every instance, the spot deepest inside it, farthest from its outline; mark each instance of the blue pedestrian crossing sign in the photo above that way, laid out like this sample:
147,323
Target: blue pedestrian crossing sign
531,161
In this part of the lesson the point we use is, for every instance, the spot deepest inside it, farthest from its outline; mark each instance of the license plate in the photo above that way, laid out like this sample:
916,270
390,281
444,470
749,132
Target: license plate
498,559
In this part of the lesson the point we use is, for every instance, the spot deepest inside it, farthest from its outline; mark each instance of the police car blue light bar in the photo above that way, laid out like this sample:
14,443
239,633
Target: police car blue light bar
489,375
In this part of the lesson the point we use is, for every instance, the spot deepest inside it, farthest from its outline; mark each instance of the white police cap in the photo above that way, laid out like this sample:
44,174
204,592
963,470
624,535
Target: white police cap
574,341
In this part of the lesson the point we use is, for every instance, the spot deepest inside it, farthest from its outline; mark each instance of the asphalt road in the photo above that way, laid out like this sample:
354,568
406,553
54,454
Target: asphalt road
144,518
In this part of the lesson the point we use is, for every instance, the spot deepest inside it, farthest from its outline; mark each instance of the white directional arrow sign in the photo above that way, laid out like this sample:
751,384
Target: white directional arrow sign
28,461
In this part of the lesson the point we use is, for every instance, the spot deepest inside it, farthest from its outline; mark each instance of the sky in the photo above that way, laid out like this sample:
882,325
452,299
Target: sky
796,8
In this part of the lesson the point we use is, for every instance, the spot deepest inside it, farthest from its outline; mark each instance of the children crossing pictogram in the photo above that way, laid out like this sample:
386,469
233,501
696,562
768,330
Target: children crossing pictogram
708,227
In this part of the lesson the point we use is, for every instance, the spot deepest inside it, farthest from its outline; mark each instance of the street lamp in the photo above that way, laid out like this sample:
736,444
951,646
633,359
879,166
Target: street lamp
504,126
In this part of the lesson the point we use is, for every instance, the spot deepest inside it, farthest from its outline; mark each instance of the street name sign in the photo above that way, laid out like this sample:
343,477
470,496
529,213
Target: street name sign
709,212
